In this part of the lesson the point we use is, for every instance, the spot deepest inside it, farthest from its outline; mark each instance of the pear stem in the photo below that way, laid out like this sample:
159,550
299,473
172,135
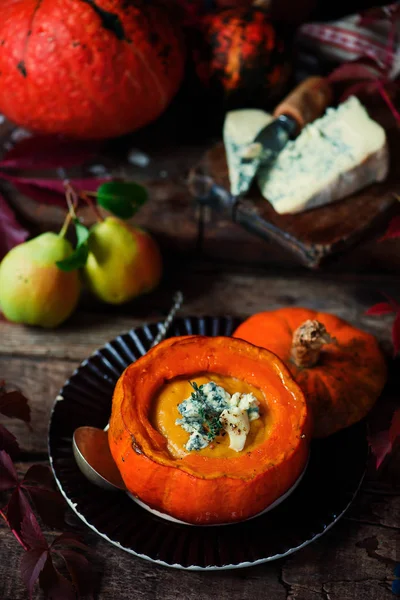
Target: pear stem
65,225
72,202
86,196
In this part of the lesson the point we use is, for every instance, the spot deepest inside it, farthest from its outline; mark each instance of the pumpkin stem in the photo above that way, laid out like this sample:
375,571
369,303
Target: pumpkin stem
308,340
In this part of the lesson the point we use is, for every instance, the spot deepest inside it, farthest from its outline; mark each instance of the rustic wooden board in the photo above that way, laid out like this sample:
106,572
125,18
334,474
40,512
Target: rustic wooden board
314,235
42,360
172,215
353,561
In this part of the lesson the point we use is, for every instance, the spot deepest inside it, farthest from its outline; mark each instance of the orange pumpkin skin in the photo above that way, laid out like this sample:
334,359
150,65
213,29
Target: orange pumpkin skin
197,489
349,376
242,57
87,69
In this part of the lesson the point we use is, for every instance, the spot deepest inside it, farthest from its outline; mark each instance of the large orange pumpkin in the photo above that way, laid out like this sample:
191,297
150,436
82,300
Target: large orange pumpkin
242,57
85,68
196,487
340,369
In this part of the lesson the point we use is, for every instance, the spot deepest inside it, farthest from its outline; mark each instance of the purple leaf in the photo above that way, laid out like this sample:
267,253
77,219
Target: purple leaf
52,191
8,474
32,534
393,231
69,539
356,88
378,13
380,446
17,508
350,70
42,195
79,569
8,441
55,586
41,475
382,442
32,564
15,405
11,232
49,505
382,308
396,334
46,152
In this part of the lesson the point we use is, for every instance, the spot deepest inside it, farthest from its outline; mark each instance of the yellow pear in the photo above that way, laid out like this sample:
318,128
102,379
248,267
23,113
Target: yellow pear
33,290
123,262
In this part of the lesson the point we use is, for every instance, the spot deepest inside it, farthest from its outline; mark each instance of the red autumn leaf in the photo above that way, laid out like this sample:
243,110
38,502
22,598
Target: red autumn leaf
46,152
48,504
379,13
382,308
8,441
69,539
32,534
361,86
382,442
39,488
52,191
41,475
32,564
393,231
380,446
37,563
15,405
11,232
80,571
394,430
17,508
8,474
55,585
352,70
396,334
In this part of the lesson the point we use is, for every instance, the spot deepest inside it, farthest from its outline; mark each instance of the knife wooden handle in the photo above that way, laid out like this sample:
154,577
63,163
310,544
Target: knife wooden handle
307,102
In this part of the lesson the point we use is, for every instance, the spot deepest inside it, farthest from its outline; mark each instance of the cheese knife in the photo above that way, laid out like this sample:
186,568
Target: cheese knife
303,105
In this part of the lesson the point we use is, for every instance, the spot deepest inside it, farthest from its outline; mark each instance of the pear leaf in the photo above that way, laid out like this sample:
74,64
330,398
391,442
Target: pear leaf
122,198
78,258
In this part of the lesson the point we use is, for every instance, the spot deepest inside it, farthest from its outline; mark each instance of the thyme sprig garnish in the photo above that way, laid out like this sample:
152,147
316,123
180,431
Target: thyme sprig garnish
211,423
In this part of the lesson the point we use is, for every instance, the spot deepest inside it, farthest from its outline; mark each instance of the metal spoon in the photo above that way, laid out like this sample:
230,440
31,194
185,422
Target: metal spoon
90,444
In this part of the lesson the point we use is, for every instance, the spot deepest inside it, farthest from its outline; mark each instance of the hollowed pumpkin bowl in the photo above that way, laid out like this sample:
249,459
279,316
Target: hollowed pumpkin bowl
207,487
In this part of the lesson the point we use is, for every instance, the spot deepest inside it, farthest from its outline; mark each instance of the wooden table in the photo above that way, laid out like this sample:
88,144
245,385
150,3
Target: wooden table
355,560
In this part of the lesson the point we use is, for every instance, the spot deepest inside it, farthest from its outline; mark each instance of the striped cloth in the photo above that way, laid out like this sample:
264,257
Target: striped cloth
364,36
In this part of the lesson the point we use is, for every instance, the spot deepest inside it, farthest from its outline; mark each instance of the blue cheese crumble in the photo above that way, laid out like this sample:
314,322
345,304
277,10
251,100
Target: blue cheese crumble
210,410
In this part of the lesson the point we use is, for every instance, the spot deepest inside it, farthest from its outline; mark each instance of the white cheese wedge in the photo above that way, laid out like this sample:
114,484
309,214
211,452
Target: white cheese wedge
335,156
240,129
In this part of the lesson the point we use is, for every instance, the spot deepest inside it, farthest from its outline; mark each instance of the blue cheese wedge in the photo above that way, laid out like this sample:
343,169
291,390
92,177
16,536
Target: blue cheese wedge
333,157
210,409
240,129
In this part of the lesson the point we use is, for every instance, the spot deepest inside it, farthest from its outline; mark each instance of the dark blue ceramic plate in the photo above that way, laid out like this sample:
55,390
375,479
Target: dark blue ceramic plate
333,476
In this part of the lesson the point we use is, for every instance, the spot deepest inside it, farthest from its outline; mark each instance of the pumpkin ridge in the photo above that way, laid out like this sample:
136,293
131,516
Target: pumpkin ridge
88,92
110,21
21,66
162,95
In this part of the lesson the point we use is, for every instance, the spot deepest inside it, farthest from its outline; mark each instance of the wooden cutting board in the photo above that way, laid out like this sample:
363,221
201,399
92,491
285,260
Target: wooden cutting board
314,235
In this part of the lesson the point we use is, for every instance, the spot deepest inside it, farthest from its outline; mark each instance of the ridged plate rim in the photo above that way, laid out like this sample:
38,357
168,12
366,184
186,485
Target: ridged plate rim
203,325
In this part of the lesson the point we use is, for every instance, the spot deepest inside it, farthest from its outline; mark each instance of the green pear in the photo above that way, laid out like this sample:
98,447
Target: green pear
123,262
33,290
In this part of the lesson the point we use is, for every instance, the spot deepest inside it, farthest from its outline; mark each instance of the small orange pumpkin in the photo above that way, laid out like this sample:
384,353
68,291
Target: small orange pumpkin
195,487
340,369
